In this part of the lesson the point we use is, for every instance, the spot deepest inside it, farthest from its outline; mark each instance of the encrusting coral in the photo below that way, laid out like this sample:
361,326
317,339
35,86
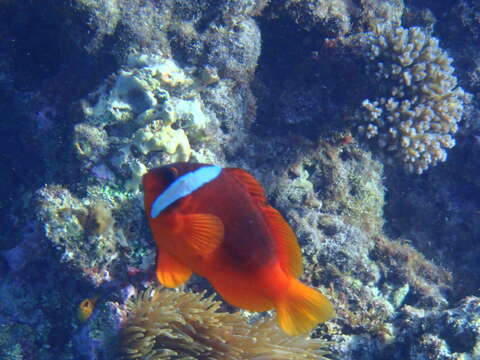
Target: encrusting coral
420,103
148,108
164,324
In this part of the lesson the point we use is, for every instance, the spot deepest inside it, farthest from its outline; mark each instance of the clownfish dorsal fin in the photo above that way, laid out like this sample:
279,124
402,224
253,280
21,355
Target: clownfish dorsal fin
203,233
251,184
170,272
286,243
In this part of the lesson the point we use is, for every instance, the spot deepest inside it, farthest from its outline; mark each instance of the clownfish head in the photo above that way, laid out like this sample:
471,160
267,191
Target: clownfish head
165,185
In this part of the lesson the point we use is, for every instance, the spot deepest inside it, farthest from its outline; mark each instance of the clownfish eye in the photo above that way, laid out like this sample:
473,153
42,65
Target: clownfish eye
171,174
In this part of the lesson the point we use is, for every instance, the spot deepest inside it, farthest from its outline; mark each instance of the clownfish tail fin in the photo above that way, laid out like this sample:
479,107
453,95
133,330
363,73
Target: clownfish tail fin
302,308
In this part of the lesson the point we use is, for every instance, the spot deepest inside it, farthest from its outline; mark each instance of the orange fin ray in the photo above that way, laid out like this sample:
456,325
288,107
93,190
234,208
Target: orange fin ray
251,184
302,309
170,272
286,243
203,233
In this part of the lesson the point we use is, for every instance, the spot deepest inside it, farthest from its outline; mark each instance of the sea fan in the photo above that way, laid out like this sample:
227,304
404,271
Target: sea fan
164,324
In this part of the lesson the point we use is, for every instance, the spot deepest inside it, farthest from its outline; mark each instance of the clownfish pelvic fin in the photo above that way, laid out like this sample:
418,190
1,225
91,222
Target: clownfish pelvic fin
170,272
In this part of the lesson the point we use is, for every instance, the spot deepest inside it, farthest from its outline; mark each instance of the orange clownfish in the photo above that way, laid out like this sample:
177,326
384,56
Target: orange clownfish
217,223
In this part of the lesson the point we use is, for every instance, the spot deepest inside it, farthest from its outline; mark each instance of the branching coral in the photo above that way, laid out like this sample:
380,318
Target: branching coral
164,324
419,105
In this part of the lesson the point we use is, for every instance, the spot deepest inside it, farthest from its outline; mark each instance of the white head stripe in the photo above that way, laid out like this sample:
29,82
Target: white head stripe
184,186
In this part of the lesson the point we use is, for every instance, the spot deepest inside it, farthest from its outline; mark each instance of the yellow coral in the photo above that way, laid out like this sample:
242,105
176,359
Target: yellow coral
164,324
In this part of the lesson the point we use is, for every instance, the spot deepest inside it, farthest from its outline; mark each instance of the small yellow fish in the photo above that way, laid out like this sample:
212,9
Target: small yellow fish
86,307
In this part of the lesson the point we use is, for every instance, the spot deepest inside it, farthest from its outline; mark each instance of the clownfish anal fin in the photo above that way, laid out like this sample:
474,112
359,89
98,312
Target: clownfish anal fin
170,272
203,233
286,243
252,185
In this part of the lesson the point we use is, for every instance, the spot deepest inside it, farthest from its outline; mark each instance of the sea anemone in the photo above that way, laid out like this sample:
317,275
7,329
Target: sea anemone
164,324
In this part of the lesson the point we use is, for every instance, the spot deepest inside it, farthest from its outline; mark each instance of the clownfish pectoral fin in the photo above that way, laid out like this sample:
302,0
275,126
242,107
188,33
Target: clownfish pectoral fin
170,272
203,233
286,243
250,183
302,308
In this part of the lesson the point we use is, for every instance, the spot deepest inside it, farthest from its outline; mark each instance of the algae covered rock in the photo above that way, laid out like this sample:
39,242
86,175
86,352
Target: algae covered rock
80,230
93,233
449,334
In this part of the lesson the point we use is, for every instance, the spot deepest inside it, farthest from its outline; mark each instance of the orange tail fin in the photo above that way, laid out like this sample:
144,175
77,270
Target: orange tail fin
302,308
